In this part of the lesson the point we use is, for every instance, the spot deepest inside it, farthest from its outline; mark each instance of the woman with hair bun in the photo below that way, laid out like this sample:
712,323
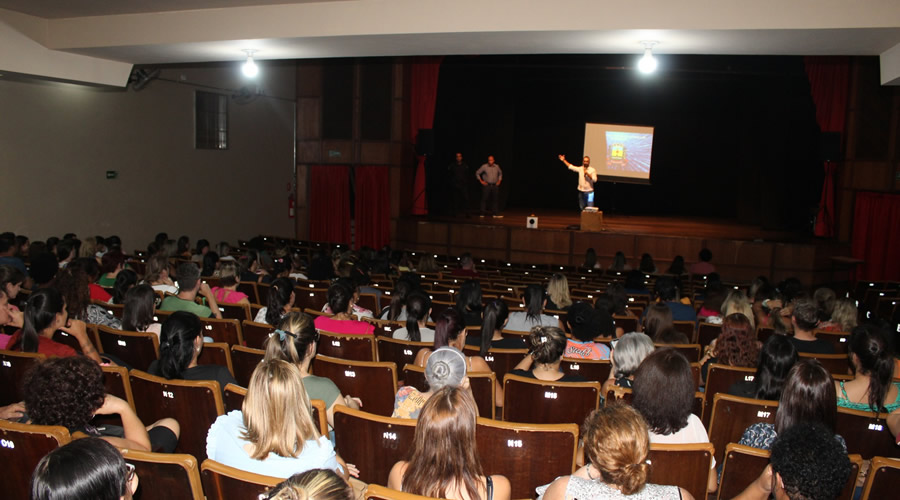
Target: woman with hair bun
546,345
446,367
443,459
616,443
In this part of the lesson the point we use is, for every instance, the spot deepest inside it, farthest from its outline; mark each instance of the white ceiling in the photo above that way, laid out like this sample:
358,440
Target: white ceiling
183,31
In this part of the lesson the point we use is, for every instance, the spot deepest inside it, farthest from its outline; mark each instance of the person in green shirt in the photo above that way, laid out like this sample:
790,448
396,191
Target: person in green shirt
189,285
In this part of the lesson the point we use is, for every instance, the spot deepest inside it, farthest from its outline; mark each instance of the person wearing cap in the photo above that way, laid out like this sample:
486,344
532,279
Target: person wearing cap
445,367
586,324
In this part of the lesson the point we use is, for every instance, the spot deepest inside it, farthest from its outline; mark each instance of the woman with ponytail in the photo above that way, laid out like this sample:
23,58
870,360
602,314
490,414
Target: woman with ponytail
533,315
873,367
418,309
295,341
279,302
496,315
616,444
45,313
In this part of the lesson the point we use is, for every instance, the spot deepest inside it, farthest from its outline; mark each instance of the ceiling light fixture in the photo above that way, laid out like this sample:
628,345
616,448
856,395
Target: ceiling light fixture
647,63
250,69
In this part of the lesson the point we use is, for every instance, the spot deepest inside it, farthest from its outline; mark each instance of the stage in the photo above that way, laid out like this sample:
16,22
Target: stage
740,252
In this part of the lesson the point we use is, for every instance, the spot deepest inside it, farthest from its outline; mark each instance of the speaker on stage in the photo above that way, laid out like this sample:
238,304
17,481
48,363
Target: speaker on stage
425,141
531,222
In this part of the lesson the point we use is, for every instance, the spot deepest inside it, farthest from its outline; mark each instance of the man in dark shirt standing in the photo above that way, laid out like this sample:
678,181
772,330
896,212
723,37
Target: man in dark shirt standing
805,320
459,179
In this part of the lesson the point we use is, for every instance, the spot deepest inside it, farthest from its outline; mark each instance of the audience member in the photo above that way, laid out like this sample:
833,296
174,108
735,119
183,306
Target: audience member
590,260
226,292
340,300
125,280
45,313
466,267
44,267
625,357
677,266
616,445
667,292
85,469
157,275
736,345
619,263
805,319
586,324
776,358
418,310
535,302
296,341
140,306
280,300
736,301
469,302
647,265
558,298
843,316
396,311
703,266
546,345
74,284
189,286
314,484
872,388
657,319
445,367
111,264
496,315
11,281
443,459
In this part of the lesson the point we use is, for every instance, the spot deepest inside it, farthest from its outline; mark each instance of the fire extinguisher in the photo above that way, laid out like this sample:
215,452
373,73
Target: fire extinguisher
291,205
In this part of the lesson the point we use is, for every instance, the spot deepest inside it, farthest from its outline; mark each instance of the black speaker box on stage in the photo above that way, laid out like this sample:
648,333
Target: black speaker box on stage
425,141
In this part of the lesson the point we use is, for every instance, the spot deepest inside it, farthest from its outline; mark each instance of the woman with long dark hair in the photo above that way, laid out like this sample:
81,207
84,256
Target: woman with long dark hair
341,301
179,347
418,309
140,304
535,301
279,302
873,367
85,469
125,279
74,284
776,358
469,302
443,459
496,314
45,313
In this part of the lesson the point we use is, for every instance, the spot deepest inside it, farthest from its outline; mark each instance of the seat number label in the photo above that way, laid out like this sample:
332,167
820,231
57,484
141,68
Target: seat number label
349,373
550,395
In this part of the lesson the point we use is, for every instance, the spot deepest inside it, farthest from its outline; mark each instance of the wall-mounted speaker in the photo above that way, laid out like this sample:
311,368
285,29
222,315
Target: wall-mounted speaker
531,222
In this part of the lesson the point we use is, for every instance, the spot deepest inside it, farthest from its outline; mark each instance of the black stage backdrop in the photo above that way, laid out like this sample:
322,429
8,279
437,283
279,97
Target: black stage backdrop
735,136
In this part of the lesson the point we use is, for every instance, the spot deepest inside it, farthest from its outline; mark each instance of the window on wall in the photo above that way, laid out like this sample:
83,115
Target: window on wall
211,112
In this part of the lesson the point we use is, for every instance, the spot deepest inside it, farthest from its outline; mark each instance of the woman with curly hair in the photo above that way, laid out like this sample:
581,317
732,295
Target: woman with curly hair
70,392
616,444
735,346
443,459
546,345
74,284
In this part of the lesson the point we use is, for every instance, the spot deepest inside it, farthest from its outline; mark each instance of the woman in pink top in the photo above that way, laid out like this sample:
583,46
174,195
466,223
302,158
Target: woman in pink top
227,293
340,300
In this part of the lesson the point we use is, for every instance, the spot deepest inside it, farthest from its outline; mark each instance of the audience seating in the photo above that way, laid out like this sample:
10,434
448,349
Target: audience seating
240,312
234,397
221,482
249,288
116,310
483,386
374,382
686,327
731,415
70,340
595,370
706,333
763,333
216,353
529,455
838,364
839,340
400,352
439,306
138,349
695,373
24,446
311,298
172,476
718,379
690,351
684,465
355,347
536,401
13,365
244,361
866,433
194,404
501,361
115,381
884,476
741,466
369,301
256,334
223,330
375,492
373,443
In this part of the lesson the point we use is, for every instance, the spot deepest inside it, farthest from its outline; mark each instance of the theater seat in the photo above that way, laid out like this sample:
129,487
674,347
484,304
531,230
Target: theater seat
373,443
684,465
169,476
138,349
244,361
731,415
374,382
23,446
355,347
541,402
884,476
483,386
375,492
13,365
221,482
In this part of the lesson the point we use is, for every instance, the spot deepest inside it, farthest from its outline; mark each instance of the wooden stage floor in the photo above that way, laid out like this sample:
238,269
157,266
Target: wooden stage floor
694,227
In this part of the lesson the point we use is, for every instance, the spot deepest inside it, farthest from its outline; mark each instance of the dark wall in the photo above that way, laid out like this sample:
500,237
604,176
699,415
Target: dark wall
735,137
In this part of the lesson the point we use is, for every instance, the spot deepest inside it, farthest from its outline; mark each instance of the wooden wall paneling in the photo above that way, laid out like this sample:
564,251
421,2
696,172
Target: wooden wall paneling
541,241
433,232
309,78
477,237
337,151
664,249
606,245
301,210
309,118
375,153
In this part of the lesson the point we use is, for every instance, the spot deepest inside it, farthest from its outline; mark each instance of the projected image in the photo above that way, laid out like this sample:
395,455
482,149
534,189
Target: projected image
628,151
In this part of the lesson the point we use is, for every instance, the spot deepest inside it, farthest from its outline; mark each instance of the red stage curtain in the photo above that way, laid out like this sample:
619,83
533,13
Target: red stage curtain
373,207
329,203
829,79
424,75
875,236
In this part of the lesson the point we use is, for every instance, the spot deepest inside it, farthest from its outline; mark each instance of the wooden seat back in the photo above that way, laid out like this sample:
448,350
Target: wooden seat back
595,370
216,353
400,352
256,334
239,312
115,381
731,415
24,445
510,449
837,364
718,379
529,400
839,340
690,351
685,327
355,347
866,433
741,466
248,288
684,465
883,478
138,349
195,404
374,382
706,333
244,361
13,365
223,330
376,492
627,323
369,301
482,383
386,439
311,298
501,361
173,476
221,482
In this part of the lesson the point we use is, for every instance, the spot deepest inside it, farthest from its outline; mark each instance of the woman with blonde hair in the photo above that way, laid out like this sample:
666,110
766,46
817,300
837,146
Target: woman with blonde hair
843,316
737,302
295,341
558,293
157,275
443,459
273,433
616,443
228,279
315,484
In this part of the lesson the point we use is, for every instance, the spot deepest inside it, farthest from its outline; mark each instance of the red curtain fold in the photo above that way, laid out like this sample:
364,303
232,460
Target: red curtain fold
424,76
329,203
875,237
373,207
829,81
